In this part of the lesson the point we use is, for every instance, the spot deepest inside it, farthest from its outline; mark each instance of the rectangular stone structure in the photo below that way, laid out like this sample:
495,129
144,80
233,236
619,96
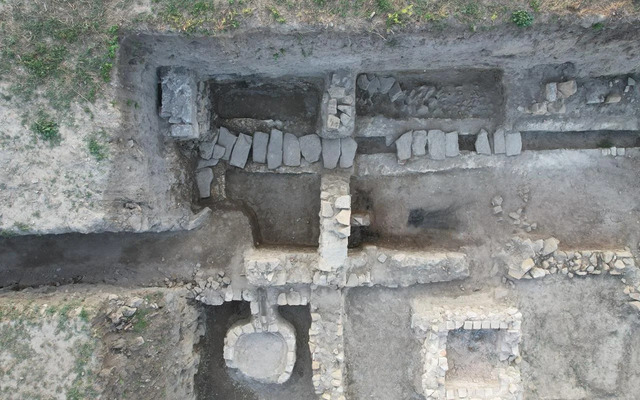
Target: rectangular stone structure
437,144
274,149
260,143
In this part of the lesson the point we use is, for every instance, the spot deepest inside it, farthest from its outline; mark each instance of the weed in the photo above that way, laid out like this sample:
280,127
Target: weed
522,18
384,5
84,315
598,26
471,10
276,15
535,5
47,129
399,17
97,147
45,60
278,54
21,226
140,321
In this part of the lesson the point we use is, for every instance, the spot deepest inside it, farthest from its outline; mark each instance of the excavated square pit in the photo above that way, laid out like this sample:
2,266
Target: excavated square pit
282,208
473,357
253,103
215,381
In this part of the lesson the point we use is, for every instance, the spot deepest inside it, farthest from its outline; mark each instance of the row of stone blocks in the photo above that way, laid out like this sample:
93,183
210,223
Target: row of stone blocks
441,145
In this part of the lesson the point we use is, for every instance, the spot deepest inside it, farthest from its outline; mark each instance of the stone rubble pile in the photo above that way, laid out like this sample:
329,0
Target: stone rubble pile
544,258
614,152
335,222
326,344
517,217
432,327
393,268
387,85
555,94
340,110
121,311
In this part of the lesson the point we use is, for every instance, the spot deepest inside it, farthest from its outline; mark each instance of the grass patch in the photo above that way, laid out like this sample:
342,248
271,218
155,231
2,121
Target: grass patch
140,320
97,145
47,129
522,18
276,15
399,18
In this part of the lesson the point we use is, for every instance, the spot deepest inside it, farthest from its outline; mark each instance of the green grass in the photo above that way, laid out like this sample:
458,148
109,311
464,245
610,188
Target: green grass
276,15
140,321
522,18
47,129
97,146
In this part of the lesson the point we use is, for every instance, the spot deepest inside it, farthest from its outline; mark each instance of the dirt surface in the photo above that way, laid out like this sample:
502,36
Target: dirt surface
262,197
124,259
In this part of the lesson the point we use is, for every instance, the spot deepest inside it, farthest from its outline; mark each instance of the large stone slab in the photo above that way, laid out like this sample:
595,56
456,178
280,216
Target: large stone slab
499,144
330,152
311,147
260,142
437,143
291,150
179,91
348,148
274,149
482,143
204,177
419,143
452,148
227,140
513,143
241,150
403,146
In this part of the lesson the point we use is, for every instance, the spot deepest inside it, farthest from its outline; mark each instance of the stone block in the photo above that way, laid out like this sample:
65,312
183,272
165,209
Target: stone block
274,149
386,84
179,92
403,146
513,143
311,147
419,143
551,91
437,144
240,153
204,177
227,140
291,150
396,93
568,88
348,148
452,148
333,122
260,142
482,143
330,152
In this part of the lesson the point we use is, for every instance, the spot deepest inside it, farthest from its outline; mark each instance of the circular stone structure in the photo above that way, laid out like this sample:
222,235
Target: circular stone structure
266,356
